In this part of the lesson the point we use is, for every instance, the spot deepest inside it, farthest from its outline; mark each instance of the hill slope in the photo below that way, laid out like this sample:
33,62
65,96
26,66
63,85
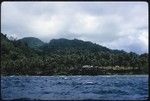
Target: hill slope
14,55
32,42
65,46
61,56
75,46
12,47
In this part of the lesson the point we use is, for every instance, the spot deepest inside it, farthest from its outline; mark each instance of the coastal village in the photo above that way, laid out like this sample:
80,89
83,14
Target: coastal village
110,67
97,70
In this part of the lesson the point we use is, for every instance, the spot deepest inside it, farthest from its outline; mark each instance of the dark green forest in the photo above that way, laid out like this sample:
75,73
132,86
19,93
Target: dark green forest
31,56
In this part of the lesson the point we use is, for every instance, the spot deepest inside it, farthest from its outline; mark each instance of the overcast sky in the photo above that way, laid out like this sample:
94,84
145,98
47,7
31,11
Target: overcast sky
115,25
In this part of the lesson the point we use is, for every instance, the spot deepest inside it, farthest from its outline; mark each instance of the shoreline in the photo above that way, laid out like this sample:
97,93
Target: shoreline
79,75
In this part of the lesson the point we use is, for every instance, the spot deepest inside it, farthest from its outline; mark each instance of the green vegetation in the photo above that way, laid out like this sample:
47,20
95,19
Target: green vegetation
32,42
31,56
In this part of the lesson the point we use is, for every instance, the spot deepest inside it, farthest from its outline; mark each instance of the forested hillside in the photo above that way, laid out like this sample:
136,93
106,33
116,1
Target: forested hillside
32,42
31,56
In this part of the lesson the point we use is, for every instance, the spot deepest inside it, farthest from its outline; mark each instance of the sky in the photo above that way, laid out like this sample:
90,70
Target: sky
116,25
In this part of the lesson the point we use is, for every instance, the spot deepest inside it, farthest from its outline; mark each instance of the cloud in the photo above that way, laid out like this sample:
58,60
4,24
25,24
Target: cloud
117,25
137,43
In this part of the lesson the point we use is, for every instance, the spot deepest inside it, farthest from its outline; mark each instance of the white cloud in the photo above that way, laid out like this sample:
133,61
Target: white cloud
116,25
143,38
85,23
47,25
135,43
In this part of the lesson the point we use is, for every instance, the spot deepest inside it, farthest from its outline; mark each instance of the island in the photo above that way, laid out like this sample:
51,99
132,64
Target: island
31,56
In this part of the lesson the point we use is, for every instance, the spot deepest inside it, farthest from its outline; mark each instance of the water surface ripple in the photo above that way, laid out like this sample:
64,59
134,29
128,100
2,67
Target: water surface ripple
116,87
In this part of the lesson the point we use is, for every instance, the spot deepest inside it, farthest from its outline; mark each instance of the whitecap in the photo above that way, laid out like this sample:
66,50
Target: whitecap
12,76
89,82
107,76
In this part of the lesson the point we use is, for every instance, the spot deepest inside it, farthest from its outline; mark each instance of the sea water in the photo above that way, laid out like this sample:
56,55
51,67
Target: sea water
107,87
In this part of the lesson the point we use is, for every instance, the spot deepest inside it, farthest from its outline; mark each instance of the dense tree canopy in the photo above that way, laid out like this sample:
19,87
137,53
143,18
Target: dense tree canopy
63,56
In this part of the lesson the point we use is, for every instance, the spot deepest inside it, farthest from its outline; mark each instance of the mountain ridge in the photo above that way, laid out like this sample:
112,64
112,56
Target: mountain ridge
61,56
61,40
41,43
